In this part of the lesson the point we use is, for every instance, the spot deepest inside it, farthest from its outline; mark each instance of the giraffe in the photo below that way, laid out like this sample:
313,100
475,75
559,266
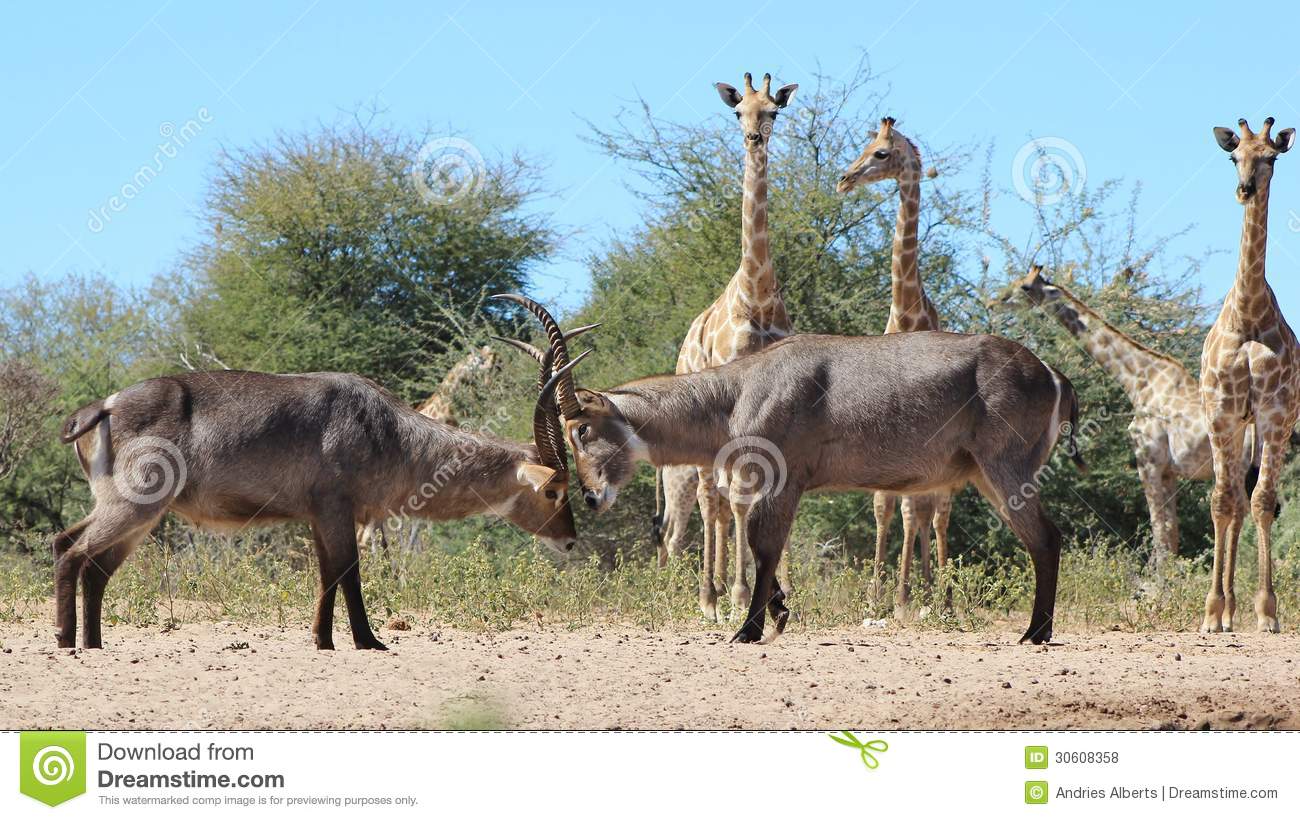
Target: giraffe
1249,372
891,155
439,405
748,316
439,408
1170,436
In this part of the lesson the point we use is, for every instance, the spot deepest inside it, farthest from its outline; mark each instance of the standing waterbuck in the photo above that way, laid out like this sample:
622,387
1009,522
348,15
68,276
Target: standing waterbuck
905,413
228,449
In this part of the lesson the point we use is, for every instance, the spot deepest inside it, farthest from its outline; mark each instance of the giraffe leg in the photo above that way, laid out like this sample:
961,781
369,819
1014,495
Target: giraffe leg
721,538
708,500
1227,508
942,515
903,595
1263,506
741,594
1154,486
681,487
883,506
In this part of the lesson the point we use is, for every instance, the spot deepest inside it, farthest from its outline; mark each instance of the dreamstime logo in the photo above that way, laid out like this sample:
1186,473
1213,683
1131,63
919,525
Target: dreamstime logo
53,765
749,468
1047,170
149,469
447,169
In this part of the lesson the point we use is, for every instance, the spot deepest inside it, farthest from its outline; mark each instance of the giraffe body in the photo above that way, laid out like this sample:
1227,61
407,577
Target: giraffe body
747,316
891,155
1250,372
1169,431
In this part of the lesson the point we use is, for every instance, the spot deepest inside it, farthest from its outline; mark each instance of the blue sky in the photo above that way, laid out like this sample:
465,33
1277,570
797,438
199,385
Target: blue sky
1136,90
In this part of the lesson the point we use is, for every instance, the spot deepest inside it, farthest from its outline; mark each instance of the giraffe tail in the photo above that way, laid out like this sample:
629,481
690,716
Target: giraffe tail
657,522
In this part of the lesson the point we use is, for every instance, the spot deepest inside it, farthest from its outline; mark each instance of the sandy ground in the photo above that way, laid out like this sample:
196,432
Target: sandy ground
223,675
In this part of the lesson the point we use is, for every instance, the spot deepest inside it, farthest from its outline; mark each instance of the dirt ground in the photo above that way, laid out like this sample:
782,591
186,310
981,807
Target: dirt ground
223,675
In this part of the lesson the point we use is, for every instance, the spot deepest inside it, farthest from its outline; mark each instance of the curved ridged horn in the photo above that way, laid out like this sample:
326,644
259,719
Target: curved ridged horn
536,354
566,394
561,376
547,434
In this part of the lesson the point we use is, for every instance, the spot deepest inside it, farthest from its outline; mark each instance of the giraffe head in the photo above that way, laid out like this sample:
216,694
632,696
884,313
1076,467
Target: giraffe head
756,110
1253,154
1032,290
889,155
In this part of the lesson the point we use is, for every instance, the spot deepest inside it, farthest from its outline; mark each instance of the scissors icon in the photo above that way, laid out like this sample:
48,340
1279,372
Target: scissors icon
868,759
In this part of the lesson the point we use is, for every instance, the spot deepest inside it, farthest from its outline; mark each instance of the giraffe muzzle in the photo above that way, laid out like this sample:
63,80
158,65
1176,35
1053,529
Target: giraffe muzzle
1245,192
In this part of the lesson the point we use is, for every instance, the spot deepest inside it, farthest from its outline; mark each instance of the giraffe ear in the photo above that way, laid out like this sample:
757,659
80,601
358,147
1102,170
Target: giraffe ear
1227,140
784,94
1284,140
730,96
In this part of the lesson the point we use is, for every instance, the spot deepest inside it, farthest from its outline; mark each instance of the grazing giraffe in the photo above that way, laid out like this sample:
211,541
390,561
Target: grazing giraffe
891,155
1249,372
1171,438
748,316
439,405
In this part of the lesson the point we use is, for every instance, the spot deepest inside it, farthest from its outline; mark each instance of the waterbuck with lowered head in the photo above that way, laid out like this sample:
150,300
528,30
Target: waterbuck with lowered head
227,449
905,413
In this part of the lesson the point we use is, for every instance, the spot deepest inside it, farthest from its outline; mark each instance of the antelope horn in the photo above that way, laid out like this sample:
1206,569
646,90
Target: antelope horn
767,84
555,384
568,399
525,347
749,82
546,424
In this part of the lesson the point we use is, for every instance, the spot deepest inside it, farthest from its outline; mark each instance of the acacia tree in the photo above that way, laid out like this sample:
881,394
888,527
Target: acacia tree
347,247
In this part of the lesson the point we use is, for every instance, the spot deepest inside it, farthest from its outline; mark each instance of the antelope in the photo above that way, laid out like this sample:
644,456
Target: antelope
903,413
228,449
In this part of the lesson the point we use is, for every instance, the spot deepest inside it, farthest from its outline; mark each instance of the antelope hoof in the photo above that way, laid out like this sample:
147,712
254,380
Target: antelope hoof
1038,634
370,643
780,620
749,633
324,643
64,641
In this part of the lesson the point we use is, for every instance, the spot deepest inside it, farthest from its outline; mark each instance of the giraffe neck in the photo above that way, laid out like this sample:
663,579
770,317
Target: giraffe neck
755,281
1249,297
908,299
1119,355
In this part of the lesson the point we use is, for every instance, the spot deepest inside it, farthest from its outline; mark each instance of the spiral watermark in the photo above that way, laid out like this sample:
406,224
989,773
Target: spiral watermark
748,468
149,469
53,765
447,169
1047,170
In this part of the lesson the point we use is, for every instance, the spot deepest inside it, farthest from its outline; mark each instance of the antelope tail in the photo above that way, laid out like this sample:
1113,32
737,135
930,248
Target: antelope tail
83,421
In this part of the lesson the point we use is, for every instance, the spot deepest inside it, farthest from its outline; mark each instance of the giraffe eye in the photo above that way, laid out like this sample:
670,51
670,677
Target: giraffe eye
882,154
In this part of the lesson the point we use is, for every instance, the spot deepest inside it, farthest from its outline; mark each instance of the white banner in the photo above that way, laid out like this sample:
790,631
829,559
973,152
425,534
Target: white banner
793,774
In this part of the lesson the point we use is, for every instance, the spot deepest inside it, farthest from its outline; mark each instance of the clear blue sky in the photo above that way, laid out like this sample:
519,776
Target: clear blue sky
1136,89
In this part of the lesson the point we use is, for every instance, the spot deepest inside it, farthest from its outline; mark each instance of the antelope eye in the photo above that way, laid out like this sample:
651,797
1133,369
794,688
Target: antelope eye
882,154
583,430
552,494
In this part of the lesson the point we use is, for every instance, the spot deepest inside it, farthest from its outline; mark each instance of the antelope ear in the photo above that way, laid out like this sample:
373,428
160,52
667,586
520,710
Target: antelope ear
730,96
1284,140
784,94
1227,140
534,475
589,398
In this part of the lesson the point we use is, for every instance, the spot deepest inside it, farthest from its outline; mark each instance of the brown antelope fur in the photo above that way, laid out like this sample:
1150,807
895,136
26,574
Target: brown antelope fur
891,155
747,316
905,413
1249,373
227,449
